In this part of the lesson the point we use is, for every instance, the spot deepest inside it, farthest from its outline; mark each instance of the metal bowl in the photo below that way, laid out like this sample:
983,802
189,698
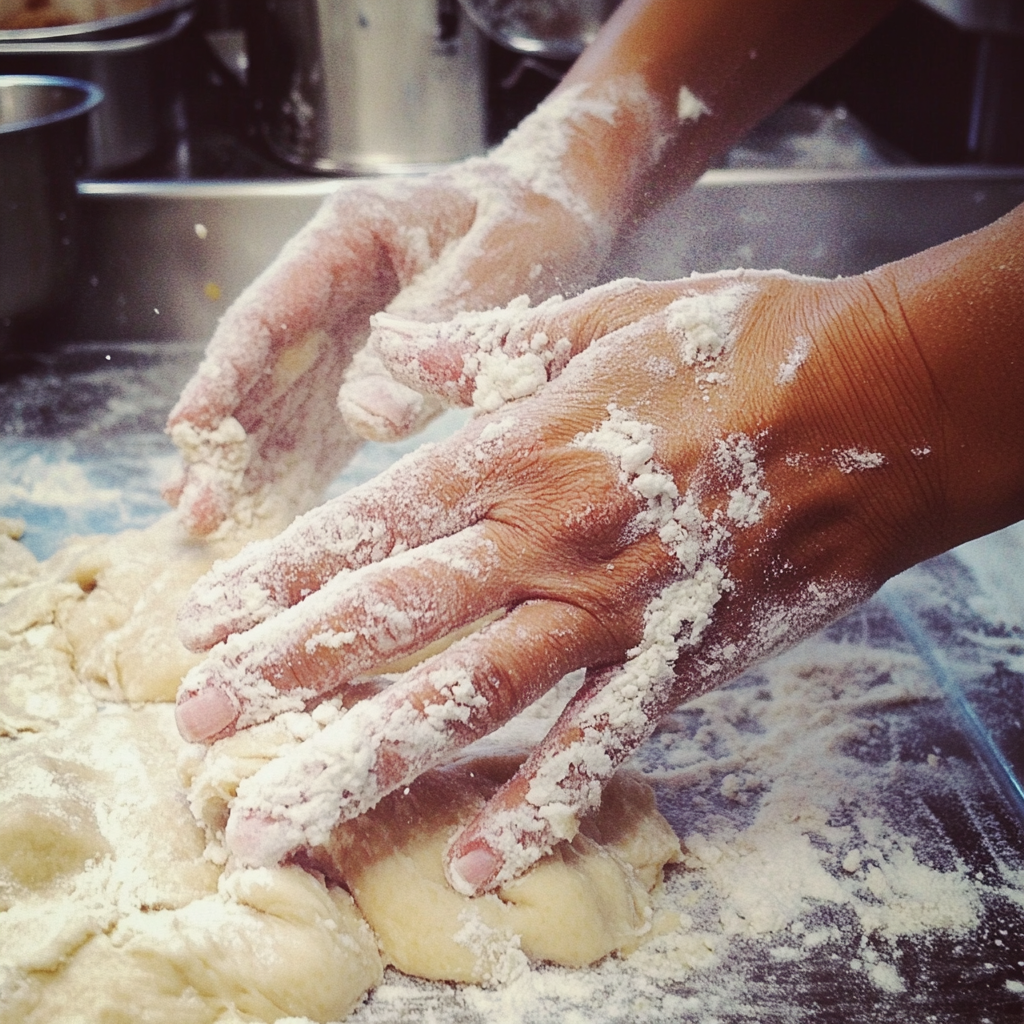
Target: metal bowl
92,19
559,29
42,149
137,76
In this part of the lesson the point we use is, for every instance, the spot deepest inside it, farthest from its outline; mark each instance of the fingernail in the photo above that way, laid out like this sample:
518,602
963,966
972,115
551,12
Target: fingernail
391,329
205,714
380,405
245,839
470,872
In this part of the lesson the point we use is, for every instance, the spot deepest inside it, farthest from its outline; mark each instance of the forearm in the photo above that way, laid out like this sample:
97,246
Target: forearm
963,305
924,363
709,69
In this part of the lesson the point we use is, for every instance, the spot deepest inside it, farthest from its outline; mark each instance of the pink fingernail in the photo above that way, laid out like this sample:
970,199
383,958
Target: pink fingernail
394,330
245,838
205,714
470,872
384,403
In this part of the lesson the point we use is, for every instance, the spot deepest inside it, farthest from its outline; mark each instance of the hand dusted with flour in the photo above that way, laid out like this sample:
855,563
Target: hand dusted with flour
653,99
263,422
660,512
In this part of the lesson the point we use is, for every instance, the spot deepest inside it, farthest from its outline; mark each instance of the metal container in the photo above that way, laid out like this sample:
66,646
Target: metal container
42,148
559,29
91,19
367,86
136,74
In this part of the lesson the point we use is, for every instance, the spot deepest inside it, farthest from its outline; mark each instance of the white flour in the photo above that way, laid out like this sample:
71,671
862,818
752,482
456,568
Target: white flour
501,360
534,153
704,323
689,107
854,460
796,792
800,351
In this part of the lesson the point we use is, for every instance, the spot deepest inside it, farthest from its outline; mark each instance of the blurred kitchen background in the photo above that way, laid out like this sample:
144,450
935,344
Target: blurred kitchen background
225,122
243,89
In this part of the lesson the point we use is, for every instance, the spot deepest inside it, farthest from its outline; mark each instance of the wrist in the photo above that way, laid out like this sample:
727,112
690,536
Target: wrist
588,147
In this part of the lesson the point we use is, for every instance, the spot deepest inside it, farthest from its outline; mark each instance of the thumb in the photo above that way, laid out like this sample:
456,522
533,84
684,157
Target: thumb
378,407
484,359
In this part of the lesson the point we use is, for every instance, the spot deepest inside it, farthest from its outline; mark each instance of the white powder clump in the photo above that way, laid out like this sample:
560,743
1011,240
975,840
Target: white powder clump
854,460
704,323
503,359
499,955
223,451
676,519
794,360
689,107
737,453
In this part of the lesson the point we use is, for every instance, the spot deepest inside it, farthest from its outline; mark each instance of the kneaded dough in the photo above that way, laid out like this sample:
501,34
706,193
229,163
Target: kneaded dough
114,902
273,943
587,899
122,632
114,601
110,908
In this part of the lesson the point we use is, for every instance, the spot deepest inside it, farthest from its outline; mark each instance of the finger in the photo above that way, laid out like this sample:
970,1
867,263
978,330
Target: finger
378,407
277,359
432,493
519,242
383,743
356,622
611,715
545,800
485,359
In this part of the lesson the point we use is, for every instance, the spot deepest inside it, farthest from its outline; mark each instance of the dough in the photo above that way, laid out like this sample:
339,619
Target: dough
123,633
274,943
110,909
114,903
586,900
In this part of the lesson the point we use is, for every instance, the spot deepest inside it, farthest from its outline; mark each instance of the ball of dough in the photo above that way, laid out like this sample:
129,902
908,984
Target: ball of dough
587,899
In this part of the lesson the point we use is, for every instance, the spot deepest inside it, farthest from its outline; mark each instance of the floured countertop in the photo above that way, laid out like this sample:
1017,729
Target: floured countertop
850,816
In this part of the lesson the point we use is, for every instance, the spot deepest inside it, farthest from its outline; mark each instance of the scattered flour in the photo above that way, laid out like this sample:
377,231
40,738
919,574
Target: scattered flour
503,360
704,323
800,351
53,485
747,500
855,460
800,834
534,153
689,107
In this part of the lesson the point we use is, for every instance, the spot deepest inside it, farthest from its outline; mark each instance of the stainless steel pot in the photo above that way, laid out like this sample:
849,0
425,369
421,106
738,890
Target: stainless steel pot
135,74
91,19
366,86
42,148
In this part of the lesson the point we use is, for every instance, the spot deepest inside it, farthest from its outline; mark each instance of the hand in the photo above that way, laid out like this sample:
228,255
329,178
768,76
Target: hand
260,422
697,487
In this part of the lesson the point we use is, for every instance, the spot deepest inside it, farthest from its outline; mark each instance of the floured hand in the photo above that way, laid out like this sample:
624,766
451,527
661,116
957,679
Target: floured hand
694,489
260,420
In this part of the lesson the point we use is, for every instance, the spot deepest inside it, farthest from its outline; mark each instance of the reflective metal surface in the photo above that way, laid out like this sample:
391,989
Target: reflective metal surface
42,147
89,19
559,29
356,87
143,251
134,73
